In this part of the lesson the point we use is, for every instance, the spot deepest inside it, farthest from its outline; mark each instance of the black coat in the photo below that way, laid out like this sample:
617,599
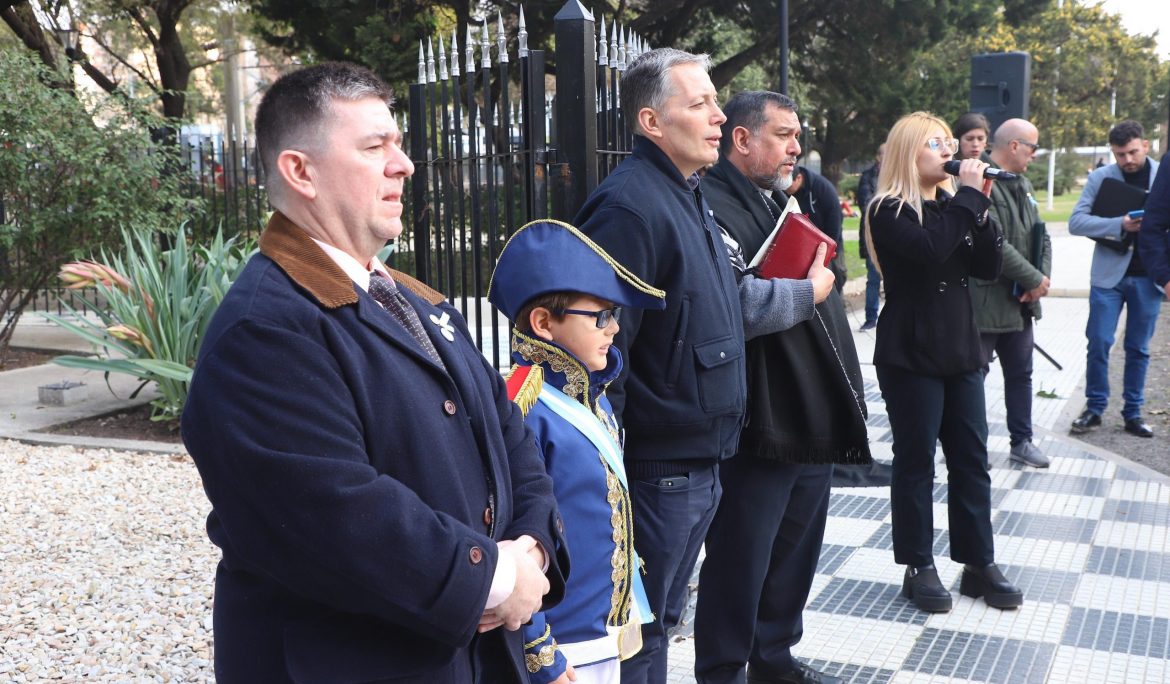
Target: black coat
928,325
357,488
806,395
681,398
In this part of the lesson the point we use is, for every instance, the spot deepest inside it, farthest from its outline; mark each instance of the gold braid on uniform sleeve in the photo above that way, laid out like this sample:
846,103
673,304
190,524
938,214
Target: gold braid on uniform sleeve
546,656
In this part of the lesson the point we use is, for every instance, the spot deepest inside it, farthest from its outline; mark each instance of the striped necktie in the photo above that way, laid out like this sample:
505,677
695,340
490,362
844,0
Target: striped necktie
386,293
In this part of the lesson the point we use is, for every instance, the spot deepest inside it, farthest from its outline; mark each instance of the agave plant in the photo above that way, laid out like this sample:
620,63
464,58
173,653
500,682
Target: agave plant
157,305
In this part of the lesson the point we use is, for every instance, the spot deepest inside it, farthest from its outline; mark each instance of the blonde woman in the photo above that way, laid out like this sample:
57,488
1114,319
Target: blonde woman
928,243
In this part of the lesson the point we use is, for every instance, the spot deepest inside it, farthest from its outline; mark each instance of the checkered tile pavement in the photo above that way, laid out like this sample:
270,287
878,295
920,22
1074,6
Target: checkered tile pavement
1088,541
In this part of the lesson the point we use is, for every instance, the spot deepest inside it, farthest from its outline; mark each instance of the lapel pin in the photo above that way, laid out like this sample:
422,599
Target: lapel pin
445,326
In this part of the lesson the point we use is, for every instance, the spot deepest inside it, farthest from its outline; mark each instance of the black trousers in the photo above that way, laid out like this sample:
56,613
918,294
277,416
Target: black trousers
922,410
1015,358
762,553
671,517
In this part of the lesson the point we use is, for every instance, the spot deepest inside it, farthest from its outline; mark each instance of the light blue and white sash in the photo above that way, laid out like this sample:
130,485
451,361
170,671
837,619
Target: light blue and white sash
588,424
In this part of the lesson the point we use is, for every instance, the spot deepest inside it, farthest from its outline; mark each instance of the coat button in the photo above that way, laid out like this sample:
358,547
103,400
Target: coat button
963,282
476,555
449,407
487,516
560,525
968,239
942,286
723,355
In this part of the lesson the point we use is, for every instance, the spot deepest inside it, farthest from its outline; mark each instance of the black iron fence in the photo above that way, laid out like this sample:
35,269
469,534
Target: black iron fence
225,181
493,148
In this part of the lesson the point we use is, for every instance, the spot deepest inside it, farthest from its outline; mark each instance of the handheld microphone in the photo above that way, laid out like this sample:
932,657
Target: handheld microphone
952,167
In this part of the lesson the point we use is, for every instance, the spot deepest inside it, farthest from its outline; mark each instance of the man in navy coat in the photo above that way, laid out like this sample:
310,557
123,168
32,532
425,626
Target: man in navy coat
382,510
1154,238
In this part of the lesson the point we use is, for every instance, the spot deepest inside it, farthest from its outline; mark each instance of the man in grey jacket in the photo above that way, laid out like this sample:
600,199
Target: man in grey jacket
1119,279
1005,307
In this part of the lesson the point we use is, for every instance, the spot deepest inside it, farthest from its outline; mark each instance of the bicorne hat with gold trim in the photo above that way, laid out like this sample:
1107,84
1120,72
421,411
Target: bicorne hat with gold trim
549,256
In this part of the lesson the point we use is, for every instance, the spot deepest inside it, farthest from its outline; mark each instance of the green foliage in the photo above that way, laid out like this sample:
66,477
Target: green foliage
382,35
67,182
159,303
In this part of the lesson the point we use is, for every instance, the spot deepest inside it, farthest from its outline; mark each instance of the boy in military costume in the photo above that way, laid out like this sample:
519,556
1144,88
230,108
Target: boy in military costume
564,295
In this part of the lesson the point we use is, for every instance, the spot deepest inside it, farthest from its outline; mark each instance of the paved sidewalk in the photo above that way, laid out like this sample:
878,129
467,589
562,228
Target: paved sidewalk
23,417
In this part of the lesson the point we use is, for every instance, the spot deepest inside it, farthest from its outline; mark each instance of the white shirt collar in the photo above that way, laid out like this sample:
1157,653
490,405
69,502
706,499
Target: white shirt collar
356,272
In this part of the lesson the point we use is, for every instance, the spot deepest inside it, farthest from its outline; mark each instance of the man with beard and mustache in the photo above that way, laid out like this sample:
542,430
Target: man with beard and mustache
805,412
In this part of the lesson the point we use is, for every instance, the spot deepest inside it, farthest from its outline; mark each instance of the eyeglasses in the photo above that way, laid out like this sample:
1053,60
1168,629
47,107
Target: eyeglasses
937,144
1031,146
604,317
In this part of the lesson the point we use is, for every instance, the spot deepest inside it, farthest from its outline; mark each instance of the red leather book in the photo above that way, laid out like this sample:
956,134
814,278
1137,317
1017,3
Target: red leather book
791,248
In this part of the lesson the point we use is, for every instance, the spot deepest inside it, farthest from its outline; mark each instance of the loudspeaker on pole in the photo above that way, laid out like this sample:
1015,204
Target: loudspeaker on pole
1000,86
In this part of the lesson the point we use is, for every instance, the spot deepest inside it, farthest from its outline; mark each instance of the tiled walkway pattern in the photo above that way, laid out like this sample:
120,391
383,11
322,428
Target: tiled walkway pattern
1088,541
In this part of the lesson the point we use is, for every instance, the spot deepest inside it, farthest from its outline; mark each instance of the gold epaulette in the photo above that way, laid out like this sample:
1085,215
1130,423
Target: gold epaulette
524,385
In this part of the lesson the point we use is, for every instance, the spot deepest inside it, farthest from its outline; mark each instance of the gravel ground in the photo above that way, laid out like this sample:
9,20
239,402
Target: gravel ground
1152,453
106,570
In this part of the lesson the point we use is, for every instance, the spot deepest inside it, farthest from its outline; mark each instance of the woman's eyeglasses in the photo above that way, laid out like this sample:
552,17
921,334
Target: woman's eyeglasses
937,144
604,317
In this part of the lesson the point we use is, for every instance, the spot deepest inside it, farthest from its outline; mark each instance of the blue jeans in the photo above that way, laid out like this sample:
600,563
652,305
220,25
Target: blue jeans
671,518
1143,301
873,290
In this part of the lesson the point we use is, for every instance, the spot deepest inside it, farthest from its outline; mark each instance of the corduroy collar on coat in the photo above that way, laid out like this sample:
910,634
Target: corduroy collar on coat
309,266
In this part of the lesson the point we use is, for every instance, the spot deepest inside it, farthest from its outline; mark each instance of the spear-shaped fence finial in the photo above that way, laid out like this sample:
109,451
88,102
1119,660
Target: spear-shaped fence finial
469,46
501,39
613,44
485,46
422,64
443,75
602,50
430,61
622,49
454,54
523,35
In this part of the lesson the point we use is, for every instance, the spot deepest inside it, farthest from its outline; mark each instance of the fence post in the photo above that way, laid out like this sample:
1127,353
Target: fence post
418,183
576,103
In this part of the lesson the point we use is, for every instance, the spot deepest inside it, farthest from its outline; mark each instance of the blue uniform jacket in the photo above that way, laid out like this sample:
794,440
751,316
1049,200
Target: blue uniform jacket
357,489
596,511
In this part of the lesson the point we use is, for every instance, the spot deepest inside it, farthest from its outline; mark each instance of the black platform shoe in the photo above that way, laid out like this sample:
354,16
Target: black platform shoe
990,583
925,589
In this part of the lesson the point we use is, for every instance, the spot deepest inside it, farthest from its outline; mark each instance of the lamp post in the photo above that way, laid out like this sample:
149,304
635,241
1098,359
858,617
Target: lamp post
783,10
69,37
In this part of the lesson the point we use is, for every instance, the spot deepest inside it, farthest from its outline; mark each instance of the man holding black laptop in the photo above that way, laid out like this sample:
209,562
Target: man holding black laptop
1109,212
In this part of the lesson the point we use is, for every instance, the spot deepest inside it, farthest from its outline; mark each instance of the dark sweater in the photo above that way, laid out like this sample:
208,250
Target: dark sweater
681,398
